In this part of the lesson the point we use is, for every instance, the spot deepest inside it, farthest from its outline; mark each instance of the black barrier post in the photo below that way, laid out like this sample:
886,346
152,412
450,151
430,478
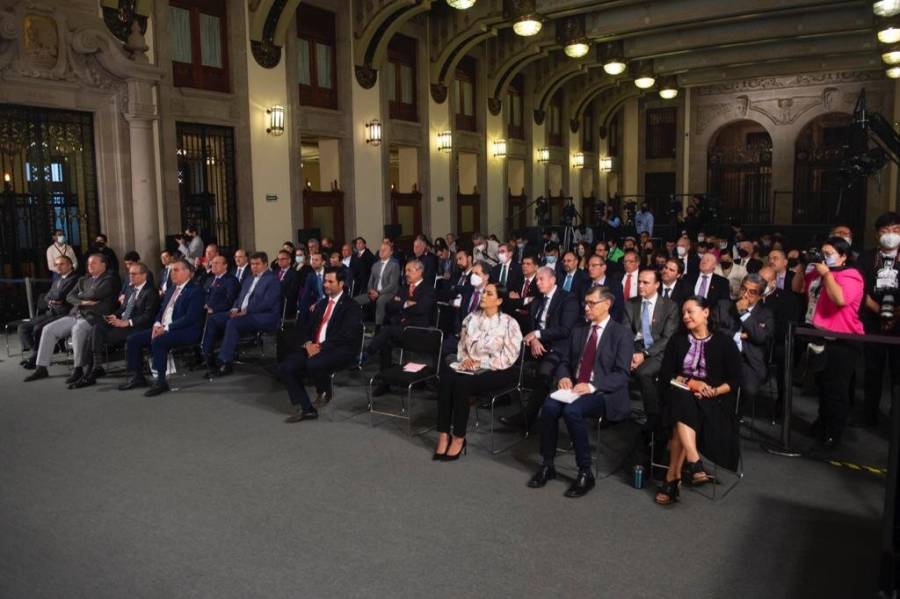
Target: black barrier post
784,449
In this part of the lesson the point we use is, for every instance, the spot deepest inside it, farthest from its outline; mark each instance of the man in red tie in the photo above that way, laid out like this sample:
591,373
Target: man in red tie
596,371
630,261
329,341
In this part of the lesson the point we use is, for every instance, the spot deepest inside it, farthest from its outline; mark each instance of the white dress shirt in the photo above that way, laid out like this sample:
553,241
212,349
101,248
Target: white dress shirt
699,284
542,318
250,292
170,307
633,292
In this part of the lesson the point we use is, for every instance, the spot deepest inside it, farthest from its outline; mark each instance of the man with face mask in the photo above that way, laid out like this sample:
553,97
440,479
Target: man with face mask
507,272
484,249
881,270
101,246
743,255
688,257
732,271
58,248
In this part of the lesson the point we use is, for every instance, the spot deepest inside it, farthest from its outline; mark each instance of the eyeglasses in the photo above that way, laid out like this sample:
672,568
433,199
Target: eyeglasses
750,291
594,303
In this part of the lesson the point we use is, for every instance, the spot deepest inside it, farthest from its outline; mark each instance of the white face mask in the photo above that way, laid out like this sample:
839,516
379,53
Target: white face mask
681,250
723,245
890,241
701,238
61,239
551,260
849,240
476,280
831,260
299,259
503,257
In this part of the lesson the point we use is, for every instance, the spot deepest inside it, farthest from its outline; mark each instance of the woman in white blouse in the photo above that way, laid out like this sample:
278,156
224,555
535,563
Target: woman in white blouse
489,345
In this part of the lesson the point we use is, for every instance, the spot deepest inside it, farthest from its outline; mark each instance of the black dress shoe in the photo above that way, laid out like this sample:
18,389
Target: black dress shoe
225,369
23,361
98,373
541,477
76,375
83,382
133,383
304,415
583,483
39,373
380,390
158,388
29,364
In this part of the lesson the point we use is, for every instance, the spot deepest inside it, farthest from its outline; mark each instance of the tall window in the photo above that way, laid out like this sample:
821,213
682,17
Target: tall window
199,44
401,78
316,57
464,90
587,130
514,110
554,119
661,133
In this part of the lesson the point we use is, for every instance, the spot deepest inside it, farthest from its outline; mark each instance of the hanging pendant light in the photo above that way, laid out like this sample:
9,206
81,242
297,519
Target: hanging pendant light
461,4
886,8
614,59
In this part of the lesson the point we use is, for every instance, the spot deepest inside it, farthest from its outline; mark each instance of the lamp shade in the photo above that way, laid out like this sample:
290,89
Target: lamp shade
886,8
276,120
606,164
527,25
499,148
578,160
893,72
373,132
445,141
577,49
461,4
543,155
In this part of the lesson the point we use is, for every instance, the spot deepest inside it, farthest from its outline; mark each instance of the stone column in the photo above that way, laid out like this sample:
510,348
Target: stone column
141,117
495,193
630,144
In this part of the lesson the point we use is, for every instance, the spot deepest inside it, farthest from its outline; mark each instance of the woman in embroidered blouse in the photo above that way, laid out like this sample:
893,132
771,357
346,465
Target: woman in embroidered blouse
489,345
702,418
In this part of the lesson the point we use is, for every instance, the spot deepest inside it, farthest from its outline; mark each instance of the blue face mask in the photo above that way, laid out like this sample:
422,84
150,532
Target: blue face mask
551,260
831,260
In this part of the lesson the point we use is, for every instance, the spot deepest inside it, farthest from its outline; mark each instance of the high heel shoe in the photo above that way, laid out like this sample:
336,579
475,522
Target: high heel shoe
695,475
669,492
452,458
437,456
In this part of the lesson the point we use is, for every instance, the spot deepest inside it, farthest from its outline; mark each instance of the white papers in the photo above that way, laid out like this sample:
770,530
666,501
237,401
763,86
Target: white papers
564,395
413,367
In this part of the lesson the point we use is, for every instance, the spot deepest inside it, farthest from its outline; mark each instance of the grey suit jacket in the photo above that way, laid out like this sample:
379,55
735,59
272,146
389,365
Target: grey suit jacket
391,280
663,323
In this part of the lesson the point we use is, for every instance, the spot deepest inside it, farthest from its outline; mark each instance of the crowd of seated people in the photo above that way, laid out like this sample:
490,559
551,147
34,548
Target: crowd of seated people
686,324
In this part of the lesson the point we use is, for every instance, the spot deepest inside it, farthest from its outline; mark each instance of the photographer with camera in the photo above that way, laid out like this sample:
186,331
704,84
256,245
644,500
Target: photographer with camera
881,270
841,294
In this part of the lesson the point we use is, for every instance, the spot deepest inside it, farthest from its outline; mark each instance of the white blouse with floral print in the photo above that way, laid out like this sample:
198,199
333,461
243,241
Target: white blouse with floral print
494,341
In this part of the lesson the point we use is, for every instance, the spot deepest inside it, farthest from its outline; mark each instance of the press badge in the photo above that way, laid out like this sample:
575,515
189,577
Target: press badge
887,279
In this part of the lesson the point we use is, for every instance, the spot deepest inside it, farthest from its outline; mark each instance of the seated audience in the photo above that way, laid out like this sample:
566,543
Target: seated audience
599,277
57,307
241,265
257,308
413,306
507,272
136,312
706,283
361,263
313,291
651,320
489,346
705,367
428,260
288,277
384,281
92,297
629,280
330,340
594,367
732,271
167,259
574,280
179,322
223,288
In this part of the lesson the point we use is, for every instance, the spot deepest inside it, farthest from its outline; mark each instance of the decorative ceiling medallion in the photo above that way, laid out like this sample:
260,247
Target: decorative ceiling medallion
266,54
495,106
366,76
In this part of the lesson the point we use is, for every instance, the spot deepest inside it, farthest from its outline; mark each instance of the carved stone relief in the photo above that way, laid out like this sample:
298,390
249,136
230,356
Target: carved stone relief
802,80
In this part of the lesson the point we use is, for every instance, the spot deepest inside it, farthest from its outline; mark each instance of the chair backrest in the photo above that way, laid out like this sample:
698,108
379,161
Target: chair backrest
362,344
426,342
522,354
283,313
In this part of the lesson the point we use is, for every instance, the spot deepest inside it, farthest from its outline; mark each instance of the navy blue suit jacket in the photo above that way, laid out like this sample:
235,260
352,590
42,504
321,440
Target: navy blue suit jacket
266,299
312,293
615,287
580,282
561,319
612,366
187,314
220,295
419,315
344,331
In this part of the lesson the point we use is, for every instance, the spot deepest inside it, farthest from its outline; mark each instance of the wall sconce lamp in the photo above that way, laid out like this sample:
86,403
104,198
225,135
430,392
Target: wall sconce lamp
373,132
445,141
543,155
276,120
499,148
578,160
606,164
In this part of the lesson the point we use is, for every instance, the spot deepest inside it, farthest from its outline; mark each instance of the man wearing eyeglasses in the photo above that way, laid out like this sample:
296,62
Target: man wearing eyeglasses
752,325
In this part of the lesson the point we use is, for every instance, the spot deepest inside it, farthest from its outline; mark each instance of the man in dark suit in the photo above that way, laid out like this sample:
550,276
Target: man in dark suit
257,308
241,265
313,290
92,297
57,307
651,320
613,269
413,305
688,257
179,322
137,309
167,259
223,287
361,263
783,275
428,260
595,367
460,276
519,301
598,276
672,286
553,315
706,283
469,300
330,340
508,272
752,325
288,277
573,279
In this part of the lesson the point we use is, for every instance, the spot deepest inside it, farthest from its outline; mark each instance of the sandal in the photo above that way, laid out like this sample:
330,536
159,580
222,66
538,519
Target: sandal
667,493
696,475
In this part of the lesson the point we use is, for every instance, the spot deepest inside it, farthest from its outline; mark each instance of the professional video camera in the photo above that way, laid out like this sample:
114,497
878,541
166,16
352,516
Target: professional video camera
568,213
599,213
542,212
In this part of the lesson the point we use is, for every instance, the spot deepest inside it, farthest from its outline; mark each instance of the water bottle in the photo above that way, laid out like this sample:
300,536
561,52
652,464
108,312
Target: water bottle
638,477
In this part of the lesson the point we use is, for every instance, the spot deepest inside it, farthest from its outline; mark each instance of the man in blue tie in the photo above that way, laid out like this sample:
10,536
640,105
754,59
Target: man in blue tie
257,308
652,321
574,280
223,287
313,288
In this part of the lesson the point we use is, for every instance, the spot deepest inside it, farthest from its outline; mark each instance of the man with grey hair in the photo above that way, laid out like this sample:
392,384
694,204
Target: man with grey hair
412,306
384,280
137,310
93,297
752,326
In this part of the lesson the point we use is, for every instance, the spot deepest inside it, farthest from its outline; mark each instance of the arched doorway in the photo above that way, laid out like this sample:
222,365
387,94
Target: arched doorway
822,194
739,171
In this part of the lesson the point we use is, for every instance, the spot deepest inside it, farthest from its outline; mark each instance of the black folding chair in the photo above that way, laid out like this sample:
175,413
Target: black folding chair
355,367
420,343
493,396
